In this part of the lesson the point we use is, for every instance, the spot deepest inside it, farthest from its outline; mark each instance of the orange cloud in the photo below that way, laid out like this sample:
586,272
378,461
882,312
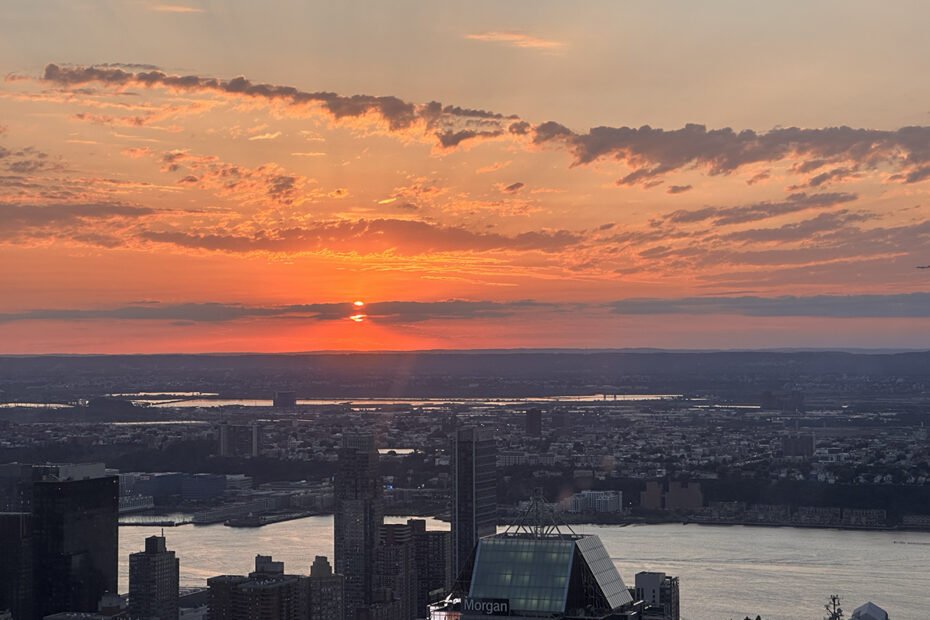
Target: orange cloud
266,136
517,39
136,152
402,237
174,8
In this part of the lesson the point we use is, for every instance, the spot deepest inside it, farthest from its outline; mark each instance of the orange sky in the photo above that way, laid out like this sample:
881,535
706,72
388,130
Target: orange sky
169,205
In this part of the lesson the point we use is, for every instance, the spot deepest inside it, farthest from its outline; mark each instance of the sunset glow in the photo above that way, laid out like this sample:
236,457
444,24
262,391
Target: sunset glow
167,186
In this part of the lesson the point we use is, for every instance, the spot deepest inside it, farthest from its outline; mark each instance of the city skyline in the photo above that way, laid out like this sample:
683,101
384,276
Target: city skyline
207,177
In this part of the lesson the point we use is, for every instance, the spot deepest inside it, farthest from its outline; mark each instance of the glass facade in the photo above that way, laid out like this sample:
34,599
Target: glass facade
604,571
474,492
533,574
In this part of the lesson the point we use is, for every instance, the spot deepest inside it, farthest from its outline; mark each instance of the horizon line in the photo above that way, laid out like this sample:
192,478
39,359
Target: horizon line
499,351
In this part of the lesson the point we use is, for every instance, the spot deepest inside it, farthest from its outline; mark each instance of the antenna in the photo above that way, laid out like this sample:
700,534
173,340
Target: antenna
539,521
834,609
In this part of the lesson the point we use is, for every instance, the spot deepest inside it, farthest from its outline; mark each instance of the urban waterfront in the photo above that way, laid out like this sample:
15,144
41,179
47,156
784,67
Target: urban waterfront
726,571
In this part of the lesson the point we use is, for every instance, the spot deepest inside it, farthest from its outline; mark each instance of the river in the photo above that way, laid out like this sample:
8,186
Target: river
725,571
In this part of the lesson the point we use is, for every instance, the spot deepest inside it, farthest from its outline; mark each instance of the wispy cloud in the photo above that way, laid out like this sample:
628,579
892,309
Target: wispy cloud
266,136
175,8
742,214
517,39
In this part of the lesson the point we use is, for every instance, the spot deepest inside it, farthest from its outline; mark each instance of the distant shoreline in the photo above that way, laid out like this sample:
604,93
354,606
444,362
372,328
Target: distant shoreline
625,520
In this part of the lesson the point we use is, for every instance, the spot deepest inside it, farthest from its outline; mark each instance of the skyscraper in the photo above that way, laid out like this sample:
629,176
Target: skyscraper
266,594
538,574
153,581
660,594
16,592
240,440
433,561
359,512
15,487
533,422
396,568
75,515
326,591
474,491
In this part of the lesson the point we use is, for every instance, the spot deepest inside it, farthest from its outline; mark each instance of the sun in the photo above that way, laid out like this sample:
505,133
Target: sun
358,304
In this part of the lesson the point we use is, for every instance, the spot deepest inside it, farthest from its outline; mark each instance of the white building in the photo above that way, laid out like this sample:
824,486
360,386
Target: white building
659,592
593,501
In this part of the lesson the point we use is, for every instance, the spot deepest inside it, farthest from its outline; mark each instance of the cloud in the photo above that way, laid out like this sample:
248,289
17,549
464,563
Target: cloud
266,136
174,8
513,188
813,251
148,118
402,237
741,214
129,66
651,152
918,175
451,139
519,128
837,174
677,189
187,313
913,305
516,39
21,221
266,183
493,167
135,152
799,231
431,120
28,160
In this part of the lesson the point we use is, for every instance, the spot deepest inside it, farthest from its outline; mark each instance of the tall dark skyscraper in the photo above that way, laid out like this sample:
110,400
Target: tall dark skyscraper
396,568
326,591
75,512
534,422
16,593
153,581
474,491
15,487
433,561
359,512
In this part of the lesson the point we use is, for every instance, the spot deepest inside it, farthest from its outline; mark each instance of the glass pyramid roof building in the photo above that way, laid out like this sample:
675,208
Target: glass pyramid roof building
536,571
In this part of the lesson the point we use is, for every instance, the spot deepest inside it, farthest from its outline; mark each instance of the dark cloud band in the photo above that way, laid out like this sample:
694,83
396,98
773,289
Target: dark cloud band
910,305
